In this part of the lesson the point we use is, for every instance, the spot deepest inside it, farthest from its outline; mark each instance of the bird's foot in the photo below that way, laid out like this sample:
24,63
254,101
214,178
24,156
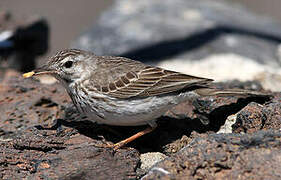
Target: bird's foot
128,140
115,146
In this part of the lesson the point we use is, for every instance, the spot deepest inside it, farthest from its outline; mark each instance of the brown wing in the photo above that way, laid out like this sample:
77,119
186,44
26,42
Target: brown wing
150,81
128,78
169,81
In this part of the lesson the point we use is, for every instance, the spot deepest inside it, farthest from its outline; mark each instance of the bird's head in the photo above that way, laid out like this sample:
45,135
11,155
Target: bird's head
66,66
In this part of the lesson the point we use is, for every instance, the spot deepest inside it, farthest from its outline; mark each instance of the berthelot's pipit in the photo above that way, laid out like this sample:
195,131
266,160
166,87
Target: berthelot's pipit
122,92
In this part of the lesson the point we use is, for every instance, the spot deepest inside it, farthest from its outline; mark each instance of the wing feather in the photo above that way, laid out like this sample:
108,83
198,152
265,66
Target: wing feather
155,81
125,78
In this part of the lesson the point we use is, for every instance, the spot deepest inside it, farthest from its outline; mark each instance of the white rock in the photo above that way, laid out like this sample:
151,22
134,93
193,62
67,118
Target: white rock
151,158
226,128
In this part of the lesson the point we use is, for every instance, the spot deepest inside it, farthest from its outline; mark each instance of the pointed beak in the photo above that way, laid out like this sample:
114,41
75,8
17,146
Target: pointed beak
39,71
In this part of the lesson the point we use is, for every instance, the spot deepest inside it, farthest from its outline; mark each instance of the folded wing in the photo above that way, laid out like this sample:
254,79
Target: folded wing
150,81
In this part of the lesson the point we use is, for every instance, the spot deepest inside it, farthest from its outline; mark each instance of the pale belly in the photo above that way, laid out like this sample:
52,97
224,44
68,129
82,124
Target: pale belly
134,112
129,112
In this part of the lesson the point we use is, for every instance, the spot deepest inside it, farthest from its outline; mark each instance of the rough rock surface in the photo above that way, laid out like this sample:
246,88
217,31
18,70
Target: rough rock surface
46,154
224,156
255,117
25,102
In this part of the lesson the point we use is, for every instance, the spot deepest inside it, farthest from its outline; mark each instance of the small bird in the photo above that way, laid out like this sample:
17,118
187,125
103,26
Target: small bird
122,92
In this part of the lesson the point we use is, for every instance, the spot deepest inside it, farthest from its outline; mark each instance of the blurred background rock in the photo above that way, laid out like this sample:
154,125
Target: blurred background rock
68,18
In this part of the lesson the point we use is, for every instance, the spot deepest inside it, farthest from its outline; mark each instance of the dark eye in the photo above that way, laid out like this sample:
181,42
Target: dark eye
68,64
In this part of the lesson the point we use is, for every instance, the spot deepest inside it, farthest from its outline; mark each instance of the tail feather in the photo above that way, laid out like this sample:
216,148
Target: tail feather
230,92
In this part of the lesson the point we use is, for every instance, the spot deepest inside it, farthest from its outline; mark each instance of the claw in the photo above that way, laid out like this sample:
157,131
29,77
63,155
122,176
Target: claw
126,141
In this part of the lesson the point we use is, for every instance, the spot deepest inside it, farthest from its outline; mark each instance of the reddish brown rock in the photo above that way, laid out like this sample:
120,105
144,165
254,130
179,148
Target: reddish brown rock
224,156
25,102
40,154
256,117
249,119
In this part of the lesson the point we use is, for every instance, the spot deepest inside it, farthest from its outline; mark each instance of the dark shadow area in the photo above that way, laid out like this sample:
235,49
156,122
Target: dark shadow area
168,130
25,45
218,116
167,49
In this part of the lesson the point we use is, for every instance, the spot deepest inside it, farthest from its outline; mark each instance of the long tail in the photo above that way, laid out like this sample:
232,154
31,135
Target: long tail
230,92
